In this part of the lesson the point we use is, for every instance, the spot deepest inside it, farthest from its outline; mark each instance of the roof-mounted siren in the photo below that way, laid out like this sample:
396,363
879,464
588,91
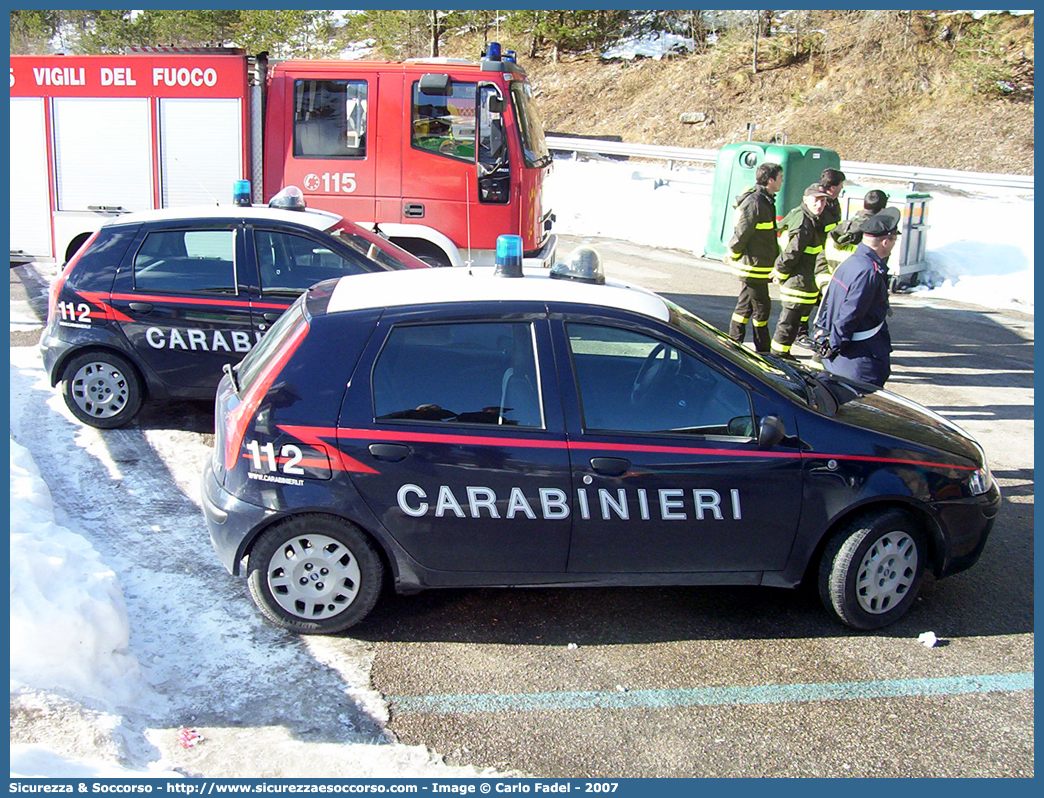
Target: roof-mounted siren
509,256
289,199
583,264
510,56
492,51
241,192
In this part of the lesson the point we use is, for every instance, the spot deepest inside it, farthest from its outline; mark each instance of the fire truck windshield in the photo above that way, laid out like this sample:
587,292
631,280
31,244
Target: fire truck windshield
530,128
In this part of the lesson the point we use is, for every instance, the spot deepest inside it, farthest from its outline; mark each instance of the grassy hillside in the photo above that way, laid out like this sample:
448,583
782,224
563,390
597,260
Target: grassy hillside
917,88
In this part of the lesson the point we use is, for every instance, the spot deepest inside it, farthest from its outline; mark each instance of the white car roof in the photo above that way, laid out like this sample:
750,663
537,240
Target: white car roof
312,217
479,284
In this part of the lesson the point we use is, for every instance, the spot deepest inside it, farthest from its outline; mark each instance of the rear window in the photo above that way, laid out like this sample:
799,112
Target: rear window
96,268
283,330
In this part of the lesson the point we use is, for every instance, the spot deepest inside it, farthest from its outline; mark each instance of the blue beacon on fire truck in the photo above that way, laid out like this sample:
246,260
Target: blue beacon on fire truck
505,427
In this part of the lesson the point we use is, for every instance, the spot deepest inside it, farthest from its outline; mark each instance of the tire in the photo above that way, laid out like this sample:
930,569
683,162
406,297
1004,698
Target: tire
101,389
314,574
872,569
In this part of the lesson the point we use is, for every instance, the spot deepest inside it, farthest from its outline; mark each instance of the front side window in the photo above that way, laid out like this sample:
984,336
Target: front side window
186,261
290,263
630,382
445,123
481,373
330,118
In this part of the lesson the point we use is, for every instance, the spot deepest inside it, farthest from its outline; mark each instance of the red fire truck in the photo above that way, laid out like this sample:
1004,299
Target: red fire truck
440,155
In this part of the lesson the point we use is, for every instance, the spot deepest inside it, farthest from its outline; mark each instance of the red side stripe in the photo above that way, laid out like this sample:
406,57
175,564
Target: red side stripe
312,435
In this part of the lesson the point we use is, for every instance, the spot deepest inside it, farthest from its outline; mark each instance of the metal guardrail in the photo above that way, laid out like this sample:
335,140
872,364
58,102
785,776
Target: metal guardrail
904,174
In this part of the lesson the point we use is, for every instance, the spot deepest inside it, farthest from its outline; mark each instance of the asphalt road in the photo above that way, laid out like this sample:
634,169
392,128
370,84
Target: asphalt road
731,681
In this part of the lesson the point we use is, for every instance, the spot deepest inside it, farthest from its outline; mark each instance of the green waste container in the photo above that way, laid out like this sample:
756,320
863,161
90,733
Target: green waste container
734,172
909,258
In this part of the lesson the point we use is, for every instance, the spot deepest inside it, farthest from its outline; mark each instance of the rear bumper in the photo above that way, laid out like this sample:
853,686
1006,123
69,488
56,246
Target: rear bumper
230,521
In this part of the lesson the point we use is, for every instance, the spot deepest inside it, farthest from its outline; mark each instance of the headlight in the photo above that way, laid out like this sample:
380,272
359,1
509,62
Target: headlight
980,482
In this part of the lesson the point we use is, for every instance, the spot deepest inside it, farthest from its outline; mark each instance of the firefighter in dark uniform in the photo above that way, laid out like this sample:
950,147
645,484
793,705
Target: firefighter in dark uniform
848,234
796,268
831,181
753,250
855,311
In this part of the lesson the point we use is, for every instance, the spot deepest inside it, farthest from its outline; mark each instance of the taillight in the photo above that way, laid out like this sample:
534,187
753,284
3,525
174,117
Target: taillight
56,286
238,419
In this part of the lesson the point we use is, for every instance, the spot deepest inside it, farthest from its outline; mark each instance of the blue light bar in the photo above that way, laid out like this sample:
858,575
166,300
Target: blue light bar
509,256
241,192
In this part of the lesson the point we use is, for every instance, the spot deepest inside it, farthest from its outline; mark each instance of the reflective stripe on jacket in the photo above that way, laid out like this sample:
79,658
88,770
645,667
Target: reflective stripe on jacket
753,247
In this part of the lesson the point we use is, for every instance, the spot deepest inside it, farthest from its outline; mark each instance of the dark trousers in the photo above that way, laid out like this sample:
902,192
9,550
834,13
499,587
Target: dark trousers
791,319
752,305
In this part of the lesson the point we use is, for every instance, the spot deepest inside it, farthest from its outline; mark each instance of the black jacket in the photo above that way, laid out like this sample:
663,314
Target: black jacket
754,239
802,258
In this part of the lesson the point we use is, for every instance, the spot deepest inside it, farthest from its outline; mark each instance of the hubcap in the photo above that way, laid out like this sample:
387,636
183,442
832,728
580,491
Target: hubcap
99,390
886,572
313,577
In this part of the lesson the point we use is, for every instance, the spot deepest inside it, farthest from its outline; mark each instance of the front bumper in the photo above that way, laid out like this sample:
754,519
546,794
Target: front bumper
232,523
543,258
966,527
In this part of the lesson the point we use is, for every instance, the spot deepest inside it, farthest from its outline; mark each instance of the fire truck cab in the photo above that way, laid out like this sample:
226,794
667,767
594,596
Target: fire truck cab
443,155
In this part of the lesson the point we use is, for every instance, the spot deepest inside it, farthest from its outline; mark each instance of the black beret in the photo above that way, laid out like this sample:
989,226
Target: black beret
882,223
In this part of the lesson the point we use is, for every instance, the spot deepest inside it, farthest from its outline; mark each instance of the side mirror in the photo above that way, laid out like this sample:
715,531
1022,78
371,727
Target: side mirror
770,432
435,83
497,105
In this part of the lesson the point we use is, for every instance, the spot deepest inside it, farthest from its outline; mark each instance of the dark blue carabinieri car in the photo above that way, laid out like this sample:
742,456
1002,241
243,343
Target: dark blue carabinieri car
472,428
156,303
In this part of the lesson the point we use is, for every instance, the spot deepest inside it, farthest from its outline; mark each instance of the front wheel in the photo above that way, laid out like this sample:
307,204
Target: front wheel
101,389
872,569
315,574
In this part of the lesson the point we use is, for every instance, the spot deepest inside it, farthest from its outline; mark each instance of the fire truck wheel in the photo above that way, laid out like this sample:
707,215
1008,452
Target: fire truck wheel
315,574
101,389
872,569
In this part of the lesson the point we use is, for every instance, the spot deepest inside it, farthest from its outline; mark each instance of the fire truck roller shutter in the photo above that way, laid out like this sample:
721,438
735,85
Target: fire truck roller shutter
103,151
201,150
30,203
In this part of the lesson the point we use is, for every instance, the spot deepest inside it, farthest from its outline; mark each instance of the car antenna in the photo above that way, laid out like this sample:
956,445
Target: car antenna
198,182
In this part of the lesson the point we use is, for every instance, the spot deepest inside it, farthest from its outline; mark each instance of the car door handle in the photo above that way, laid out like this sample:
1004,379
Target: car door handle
392,452
271,316
141,307
610,466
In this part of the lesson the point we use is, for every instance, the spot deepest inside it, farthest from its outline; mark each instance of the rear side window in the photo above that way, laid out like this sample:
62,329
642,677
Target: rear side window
186,261
330,118
481,373
96,268
445,124
291,263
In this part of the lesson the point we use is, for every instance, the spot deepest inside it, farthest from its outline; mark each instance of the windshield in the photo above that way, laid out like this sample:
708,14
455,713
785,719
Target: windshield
371,245
530,128
788,379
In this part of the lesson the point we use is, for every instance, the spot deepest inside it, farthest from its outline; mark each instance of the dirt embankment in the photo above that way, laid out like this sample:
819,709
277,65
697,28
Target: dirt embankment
939,91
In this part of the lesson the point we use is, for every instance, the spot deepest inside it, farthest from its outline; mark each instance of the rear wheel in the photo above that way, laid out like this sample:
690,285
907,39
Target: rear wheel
315,574
872,569
101,389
